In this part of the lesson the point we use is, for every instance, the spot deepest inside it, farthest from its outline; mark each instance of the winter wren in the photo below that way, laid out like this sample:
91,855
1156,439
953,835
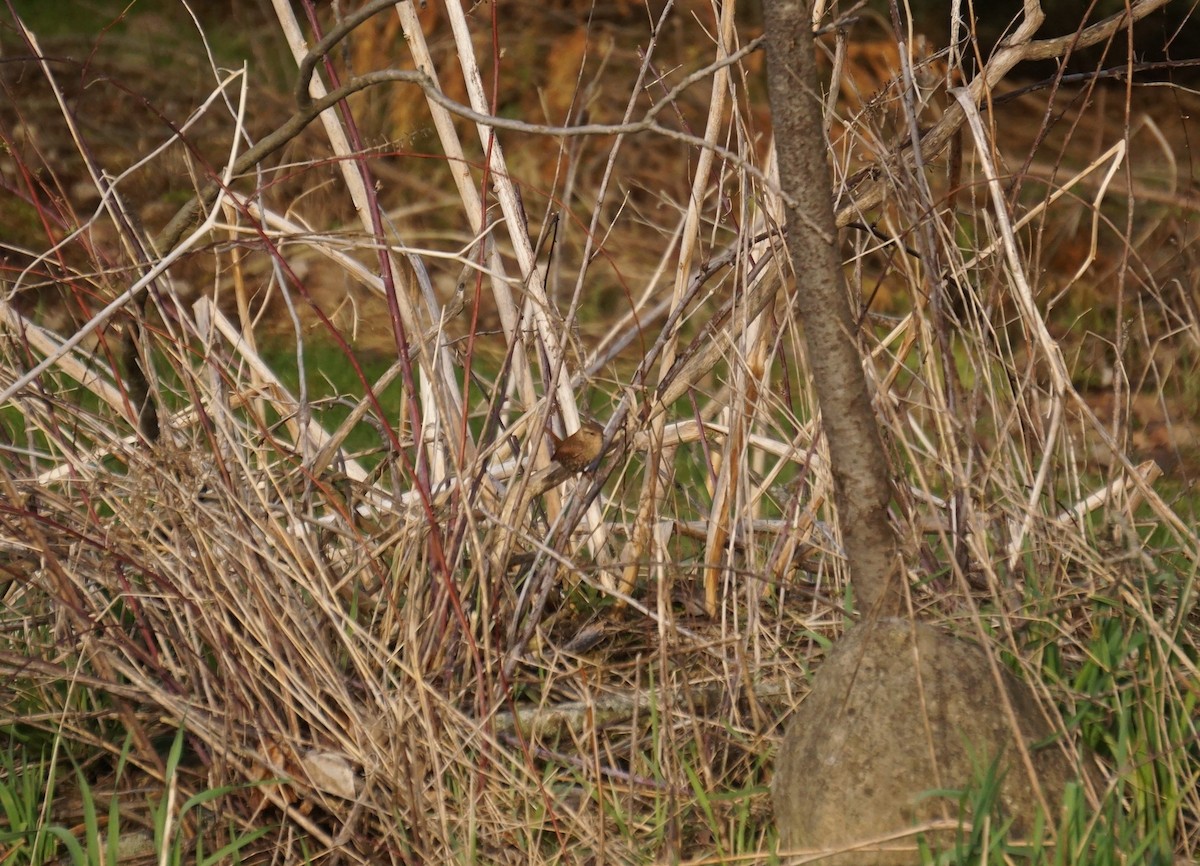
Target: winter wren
580,448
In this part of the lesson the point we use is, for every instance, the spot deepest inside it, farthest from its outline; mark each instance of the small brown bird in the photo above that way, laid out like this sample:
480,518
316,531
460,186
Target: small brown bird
580,448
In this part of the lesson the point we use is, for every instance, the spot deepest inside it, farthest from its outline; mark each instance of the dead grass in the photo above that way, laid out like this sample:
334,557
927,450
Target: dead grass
417,654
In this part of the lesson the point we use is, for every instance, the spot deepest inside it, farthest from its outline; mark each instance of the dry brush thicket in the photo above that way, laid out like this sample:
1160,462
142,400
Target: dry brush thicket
426,651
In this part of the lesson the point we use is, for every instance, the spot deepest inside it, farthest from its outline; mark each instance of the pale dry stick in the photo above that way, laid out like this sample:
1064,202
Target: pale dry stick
575,716
82,463
1185,534
152,273
661,571
749,381
799,451
1149,472
1145,193
610,165
104,184
903,327
280,227
1019,47
443,460
166,831
1043,205
1060,381
626,329
460,171
1060,377
532,276
521,376
1117,155
650,495
1164,146
87,370
727,456
758,386
954,56
835,81
1141,191
306,62
242,298
681,432
208,316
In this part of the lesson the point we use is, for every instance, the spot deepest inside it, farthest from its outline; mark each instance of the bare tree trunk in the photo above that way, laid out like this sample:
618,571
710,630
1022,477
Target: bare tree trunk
860,465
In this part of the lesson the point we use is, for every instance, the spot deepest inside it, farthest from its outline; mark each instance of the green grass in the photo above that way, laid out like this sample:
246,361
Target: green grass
120,22
333,388
1135,722
33,774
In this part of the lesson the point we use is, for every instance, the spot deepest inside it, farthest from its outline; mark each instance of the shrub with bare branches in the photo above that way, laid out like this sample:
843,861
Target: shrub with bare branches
282,537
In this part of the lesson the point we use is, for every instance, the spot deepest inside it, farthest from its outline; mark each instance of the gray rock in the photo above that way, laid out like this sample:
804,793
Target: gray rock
856,762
